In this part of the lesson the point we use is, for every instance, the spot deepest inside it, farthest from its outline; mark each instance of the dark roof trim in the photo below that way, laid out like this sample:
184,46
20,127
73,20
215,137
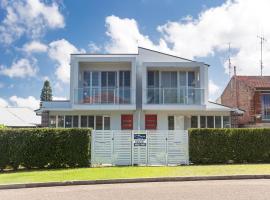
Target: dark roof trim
172,55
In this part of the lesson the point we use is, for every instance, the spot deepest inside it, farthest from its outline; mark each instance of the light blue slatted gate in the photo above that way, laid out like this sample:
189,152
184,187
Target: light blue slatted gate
139,147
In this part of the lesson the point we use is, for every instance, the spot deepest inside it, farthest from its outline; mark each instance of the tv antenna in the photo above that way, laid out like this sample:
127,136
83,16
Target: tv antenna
262,41
229,60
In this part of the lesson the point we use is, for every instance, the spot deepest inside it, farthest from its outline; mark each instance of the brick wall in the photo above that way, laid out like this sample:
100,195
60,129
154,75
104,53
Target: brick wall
238,95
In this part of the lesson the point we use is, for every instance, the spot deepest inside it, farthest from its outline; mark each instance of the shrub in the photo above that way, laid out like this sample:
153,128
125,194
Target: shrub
44,147
213,146
2,126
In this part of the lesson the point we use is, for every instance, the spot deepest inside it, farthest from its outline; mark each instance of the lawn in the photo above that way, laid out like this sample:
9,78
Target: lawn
129,172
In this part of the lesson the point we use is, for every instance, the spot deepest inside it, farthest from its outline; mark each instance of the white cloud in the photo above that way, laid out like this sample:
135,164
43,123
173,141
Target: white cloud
3,102
125,36
238,22
235,21
214,90
35,47
28,17
60,51
94,48
20,68
30,102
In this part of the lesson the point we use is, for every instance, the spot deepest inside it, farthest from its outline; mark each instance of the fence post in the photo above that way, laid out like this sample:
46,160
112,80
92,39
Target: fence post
167,135
132,148
92,147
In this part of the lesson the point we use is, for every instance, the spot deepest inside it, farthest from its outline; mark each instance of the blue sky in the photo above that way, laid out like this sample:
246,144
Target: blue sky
36,38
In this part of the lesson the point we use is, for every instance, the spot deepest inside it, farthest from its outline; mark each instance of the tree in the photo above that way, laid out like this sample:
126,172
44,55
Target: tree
46,92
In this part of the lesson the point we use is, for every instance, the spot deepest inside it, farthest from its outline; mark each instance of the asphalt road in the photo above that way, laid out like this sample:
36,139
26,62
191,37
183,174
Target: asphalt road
202,190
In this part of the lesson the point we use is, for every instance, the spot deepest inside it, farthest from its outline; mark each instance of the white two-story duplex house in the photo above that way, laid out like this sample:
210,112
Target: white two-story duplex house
149,90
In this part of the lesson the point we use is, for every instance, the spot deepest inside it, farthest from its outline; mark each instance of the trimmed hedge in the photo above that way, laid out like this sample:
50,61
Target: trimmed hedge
214,146
44,147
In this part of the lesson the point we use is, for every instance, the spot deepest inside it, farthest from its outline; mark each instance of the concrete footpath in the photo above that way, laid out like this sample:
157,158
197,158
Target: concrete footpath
134,180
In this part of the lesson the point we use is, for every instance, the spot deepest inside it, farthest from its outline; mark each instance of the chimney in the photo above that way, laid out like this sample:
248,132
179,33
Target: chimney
234,70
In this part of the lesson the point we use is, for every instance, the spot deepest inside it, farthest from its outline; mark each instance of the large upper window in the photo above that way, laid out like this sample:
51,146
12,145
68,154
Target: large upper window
265,106
153,79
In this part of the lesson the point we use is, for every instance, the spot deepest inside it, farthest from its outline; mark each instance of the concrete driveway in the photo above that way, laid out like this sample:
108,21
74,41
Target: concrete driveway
202,190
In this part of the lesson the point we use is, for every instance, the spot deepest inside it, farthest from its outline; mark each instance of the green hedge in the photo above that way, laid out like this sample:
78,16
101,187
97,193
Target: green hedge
213,146
44,147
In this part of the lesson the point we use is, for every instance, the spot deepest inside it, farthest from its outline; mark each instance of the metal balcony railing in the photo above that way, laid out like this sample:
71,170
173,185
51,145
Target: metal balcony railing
182,95
103,95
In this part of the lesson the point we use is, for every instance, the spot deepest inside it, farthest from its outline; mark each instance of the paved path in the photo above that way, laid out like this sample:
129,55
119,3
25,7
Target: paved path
202,190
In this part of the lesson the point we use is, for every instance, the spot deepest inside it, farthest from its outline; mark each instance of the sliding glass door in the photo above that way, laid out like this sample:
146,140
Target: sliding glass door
169,87
108,87
124,87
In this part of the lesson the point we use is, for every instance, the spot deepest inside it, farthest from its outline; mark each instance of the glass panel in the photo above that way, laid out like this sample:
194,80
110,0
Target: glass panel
124,78
60,121
153,91
95,79
75,121
52,121
217,121
83,121
210,121
202,121
111,79
86,78
169,87
121,78
99,123
104,79
127,79
266,106
191,79
91,122
169,79
182,79
153,79
182,90
166,79
226,122
68,121
171,122
107,124
194,122
150,78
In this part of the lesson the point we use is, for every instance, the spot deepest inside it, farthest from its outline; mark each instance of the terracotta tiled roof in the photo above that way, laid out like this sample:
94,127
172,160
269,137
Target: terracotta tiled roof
256,81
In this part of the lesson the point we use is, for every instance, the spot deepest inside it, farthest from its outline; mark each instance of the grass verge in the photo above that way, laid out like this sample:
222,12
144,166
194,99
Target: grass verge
130,172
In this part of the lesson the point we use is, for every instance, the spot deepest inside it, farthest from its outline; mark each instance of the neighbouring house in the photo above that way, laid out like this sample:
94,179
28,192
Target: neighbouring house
251,94
19,117
149,90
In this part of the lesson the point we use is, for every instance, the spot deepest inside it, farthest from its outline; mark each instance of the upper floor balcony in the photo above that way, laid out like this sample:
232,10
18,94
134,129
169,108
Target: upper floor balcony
104,95
168,87
180,96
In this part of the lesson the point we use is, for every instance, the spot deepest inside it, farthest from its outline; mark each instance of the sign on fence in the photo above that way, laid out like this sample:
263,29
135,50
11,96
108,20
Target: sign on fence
139,139
139,147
